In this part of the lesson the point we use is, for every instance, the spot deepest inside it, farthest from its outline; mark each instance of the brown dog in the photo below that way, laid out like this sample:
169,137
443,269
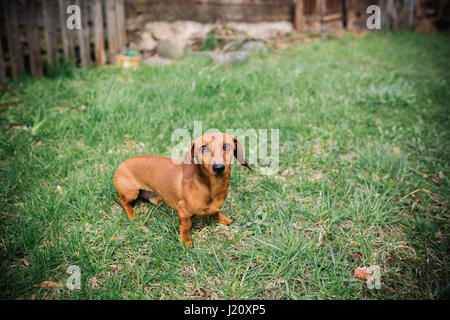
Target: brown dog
196,187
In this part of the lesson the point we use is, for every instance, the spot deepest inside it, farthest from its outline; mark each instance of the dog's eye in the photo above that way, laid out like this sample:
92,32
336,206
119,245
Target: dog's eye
226,147
204,148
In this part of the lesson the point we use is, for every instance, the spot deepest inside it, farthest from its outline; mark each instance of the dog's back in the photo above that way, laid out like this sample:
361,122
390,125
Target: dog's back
153,173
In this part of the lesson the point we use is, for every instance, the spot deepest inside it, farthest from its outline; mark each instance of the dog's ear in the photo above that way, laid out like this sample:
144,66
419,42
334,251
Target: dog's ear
189,156
188,164
240,154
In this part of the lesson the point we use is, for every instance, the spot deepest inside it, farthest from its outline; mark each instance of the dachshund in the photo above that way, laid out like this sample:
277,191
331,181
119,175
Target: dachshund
195,187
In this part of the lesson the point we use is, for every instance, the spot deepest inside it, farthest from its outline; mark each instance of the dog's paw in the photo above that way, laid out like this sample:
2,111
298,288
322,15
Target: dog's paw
187,242
223,220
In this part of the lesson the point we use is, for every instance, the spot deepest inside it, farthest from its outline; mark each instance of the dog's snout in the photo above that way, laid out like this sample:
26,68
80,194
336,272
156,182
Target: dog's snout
218,168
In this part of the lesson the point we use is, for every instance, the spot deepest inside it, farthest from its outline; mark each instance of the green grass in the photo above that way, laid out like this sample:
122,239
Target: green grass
363,122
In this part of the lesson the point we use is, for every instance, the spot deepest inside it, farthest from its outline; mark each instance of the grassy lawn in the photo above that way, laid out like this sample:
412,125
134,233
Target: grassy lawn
363,122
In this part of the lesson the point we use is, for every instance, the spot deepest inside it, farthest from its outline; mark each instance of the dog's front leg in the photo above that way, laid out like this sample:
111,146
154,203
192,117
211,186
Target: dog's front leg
185,219
185,228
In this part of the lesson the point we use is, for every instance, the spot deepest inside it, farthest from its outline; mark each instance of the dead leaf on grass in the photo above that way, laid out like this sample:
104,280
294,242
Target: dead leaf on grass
94,283
50,285
289,172
361,273
321,232
25,262
317,148
116,238
116,268
315,177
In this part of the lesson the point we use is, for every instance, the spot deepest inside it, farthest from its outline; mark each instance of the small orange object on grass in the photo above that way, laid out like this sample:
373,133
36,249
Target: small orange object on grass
361,273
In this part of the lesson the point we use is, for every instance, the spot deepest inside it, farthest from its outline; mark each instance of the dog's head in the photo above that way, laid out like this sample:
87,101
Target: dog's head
214,153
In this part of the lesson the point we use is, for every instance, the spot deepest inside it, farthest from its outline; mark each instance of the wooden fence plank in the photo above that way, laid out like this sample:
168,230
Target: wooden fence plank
111,26
68,44
298,16
83,34
50,31
2,66
13,34
322,10
34,47
121,28
2,62
99,41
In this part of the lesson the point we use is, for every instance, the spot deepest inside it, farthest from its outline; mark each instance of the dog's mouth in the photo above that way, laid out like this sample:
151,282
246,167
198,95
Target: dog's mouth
219,173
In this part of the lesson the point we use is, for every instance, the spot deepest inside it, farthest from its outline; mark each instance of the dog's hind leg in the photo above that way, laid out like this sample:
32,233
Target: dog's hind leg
128,209
128,193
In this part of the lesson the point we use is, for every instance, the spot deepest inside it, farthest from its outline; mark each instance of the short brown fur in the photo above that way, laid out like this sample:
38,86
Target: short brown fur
191,187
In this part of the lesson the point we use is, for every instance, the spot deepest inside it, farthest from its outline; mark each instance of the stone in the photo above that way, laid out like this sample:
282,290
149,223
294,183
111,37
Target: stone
157,61
160,30
262,30
170,38
169,49
178,32
147,42
187,29
252,46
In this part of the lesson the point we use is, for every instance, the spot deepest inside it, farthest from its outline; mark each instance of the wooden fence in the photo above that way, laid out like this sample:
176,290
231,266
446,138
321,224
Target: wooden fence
35,36
318,15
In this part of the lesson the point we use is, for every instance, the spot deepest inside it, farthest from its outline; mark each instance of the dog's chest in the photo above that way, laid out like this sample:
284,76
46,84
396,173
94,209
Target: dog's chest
207,205
208,208
207,201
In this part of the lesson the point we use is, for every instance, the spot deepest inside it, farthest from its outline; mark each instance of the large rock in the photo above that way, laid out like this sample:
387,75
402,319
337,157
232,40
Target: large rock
178,32
160,30
187,29
262,30
147,42
169,49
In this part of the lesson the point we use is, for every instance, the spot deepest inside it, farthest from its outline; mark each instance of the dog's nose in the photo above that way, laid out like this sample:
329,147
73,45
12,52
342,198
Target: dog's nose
218,168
